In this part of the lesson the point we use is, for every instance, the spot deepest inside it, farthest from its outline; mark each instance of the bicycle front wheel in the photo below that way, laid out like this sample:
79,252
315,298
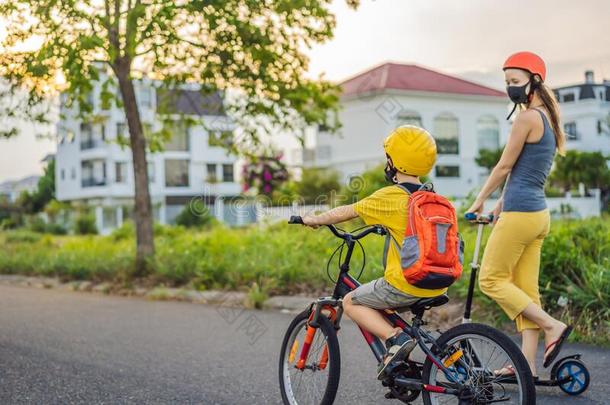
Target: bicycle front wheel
312,379
485,361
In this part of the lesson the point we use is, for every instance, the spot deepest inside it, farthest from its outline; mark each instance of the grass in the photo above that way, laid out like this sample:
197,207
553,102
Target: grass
288,259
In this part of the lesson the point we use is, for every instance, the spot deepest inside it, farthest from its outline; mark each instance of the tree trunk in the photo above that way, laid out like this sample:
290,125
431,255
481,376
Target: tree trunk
142,206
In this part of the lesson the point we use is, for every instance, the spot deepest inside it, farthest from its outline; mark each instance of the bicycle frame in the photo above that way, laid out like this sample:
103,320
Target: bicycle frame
333,304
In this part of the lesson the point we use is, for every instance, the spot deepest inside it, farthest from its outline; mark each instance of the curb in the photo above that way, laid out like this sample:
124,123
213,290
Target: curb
283,303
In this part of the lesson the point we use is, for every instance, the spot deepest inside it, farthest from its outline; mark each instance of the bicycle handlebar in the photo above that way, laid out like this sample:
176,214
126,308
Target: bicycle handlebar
483,219
379,230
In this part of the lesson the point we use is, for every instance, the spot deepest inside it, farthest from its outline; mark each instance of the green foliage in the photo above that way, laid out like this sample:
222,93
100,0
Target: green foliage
85,224
282,258
124,232
488,158
35,201
589,168
22,236
361,186
195,216
266,61
318,185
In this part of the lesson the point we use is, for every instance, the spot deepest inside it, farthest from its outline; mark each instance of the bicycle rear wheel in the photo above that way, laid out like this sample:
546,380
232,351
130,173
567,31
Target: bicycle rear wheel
316,379
474,353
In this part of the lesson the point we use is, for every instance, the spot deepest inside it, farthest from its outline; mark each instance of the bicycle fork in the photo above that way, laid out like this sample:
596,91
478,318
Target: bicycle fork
312,327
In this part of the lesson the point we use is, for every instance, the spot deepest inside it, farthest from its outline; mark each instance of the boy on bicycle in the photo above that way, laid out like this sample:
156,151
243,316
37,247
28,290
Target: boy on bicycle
410,153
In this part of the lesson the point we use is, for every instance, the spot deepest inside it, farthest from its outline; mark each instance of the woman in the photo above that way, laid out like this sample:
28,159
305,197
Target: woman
511,261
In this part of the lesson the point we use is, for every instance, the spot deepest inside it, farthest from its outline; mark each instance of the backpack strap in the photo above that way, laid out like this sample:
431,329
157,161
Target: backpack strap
386,247
424,187
404,188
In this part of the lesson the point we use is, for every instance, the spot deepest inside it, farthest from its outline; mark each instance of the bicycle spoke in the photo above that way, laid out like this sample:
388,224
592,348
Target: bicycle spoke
486,386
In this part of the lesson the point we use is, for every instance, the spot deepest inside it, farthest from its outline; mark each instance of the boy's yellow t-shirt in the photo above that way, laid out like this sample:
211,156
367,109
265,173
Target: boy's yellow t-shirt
388,206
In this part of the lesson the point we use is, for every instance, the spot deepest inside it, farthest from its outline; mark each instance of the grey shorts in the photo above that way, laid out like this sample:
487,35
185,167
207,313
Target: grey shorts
379,294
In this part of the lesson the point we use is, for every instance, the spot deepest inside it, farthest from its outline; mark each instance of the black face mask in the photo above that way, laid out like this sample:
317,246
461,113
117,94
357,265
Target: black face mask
517,94
390,173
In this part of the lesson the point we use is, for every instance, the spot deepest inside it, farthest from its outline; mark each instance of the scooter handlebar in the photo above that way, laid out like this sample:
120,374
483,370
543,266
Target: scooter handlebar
483,219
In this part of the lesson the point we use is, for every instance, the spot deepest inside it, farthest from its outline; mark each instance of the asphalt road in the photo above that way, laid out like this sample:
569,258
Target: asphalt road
60,347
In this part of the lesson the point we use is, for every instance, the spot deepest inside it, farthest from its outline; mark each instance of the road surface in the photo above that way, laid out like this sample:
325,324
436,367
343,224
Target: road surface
60,347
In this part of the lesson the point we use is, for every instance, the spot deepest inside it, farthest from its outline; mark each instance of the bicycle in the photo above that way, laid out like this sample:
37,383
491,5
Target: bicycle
459,364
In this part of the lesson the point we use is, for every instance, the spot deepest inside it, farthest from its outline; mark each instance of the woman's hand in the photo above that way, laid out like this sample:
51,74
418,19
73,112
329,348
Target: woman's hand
498,209
476,207
310,221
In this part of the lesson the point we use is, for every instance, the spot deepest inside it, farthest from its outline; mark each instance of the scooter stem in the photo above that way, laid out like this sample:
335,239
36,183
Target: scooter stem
474,266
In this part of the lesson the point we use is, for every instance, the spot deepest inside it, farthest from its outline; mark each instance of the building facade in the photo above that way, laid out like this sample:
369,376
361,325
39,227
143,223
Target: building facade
93,165
585,110
463,117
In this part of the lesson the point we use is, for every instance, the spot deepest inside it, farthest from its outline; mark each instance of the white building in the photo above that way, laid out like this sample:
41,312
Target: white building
462,116
11,189
585,110
92,167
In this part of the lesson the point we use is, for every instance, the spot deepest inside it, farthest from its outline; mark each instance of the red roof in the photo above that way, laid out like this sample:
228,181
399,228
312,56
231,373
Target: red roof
415,78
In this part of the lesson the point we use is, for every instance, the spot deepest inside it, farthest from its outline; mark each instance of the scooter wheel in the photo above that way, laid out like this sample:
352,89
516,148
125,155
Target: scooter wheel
578,374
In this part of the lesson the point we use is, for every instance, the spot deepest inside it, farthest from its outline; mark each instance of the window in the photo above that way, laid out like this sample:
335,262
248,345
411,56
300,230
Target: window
73,173
447,171
409,118
211,170
570,130
220,138
63,174
180,138
227,173
90,100
488,133
103,132
176,173
146,96
93,173
120,172
446,134
568,97
151,172
121,131
109,217
86,136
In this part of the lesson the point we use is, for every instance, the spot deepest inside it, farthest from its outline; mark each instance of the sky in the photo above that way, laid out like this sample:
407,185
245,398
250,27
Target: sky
469,38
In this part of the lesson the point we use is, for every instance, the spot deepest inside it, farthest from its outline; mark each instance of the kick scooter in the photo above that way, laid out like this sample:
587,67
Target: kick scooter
568,373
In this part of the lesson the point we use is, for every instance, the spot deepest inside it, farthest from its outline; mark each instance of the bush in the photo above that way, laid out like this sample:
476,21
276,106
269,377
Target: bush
85,224
22,236
195,216
287,259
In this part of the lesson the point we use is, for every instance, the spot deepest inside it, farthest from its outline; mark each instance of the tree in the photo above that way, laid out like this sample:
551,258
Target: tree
35,201
253,48
589,168
488,158
317,185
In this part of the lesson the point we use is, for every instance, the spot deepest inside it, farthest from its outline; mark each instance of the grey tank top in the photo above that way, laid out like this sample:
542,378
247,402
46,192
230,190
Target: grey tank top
525,188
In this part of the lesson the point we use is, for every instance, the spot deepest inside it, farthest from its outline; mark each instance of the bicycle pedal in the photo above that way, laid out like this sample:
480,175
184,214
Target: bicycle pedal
389,395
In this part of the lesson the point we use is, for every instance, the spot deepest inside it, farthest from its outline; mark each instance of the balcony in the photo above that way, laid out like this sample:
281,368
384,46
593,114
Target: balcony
90,182
91,144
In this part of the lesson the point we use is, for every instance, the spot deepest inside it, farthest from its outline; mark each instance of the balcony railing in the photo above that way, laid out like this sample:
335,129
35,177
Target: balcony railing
93,182
91,144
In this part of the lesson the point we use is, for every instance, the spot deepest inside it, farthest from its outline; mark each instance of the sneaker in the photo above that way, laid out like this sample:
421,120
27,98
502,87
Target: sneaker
399,346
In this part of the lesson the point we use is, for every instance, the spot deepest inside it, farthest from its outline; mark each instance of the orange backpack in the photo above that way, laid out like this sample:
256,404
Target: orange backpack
432,251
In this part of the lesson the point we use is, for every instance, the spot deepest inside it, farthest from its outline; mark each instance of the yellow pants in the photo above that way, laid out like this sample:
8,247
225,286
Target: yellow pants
511,262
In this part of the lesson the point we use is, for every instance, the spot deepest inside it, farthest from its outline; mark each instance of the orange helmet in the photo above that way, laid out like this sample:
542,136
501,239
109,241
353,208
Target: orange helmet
526,61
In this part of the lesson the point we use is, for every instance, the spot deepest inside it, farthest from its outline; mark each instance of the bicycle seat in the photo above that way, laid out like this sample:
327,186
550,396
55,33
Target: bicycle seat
426,303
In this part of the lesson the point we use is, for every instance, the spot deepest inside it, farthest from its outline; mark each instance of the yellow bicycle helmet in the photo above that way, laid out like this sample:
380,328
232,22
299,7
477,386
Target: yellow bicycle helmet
412,150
